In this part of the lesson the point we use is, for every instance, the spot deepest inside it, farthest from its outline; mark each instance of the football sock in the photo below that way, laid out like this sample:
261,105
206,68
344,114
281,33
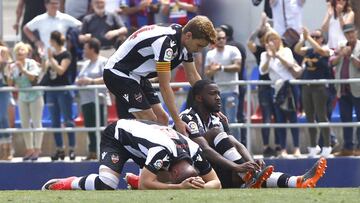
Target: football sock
280,180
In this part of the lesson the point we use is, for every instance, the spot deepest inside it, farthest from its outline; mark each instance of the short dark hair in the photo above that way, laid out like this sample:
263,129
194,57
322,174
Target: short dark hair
58,37
196,90
94,44
228,29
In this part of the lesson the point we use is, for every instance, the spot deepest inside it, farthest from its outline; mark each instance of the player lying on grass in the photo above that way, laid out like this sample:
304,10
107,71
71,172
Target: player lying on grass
156,149
230,158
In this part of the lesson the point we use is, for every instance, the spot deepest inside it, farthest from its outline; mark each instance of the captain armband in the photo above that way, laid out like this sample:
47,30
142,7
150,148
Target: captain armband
163,66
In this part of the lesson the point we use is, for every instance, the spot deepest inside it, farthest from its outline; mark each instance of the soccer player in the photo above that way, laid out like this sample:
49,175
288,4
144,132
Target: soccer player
210,132
157,149
154,51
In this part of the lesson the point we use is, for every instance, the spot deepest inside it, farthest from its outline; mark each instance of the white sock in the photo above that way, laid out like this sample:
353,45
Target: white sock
75,184
292,181
272,181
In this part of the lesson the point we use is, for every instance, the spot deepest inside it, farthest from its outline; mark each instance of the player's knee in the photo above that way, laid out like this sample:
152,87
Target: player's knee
107,181
212,134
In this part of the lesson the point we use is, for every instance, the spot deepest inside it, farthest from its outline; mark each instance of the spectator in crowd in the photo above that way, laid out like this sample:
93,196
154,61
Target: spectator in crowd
279,63
59,102
315,96
140,12
287,14
27,10
228,29
347,64
24,73
5,138
108,28
156,149
223,64
76,8
180,11
91,74
154,51
338,14
265,92
44,24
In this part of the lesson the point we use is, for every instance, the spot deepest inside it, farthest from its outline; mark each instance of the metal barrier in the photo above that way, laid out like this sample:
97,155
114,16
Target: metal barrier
248,125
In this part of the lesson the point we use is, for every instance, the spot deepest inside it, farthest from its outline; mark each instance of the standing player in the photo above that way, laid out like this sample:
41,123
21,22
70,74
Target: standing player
210,133
155,148
154,51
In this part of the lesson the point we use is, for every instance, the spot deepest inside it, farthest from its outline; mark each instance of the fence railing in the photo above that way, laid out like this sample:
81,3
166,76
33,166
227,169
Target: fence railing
248,125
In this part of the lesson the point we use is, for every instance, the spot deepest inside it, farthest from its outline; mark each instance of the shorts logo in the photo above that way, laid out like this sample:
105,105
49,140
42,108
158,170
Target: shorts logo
158,164
168,54
193,127
126,97
138,97
103,155
115,158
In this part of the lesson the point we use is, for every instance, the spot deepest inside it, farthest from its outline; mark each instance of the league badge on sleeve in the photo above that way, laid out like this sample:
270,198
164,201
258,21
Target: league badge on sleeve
193,127
168,54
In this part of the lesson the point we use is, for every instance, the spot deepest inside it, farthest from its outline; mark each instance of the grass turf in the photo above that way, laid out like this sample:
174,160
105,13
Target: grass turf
346,195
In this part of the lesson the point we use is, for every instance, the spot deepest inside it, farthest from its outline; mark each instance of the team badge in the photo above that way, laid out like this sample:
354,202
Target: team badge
168,54
138,97
193,127
115,158
158,164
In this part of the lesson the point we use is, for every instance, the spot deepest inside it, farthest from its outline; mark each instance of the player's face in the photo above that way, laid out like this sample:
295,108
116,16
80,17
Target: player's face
211,98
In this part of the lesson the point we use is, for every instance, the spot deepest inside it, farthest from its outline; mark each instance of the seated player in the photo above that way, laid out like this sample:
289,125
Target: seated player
227,154
153,147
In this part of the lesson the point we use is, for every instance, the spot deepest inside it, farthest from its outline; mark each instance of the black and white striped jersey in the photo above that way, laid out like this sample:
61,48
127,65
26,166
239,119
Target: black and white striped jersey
138,55
156,147
197,126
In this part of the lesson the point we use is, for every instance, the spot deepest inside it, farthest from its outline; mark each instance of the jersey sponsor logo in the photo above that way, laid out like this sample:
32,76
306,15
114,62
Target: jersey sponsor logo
193,127
115,158
138,97
145,28
103,155
168,54
126,97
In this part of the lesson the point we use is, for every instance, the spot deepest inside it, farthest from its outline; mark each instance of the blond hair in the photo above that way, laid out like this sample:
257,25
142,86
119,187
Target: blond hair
20,45
201,28
274,34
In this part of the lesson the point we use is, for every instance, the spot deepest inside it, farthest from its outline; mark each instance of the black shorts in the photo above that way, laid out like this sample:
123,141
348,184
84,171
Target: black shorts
112,152
131,95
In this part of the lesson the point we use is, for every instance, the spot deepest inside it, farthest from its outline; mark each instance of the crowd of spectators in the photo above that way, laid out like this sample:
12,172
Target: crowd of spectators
56,34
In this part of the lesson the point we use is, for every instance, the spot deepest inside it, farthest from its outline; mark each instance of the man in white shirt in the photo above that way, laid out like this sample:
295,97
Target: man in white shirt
44,24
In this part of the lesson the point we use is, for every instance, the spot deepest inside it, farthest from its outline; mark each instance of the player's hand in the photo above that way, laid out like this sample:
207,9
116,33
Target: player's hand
222,117
198,182
245,167
261,163
182,127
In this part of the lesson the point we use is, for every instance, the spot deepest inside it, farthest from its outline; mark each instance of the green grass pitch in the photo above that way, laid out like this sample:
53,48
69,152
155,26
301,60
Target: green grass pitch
319,195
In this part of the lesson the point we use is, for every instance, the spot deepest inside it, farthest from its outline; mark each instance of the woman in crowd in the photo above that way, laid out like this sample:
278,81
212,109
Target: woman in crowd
278,61
315,96
24,73
59,102
338,14
5,138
